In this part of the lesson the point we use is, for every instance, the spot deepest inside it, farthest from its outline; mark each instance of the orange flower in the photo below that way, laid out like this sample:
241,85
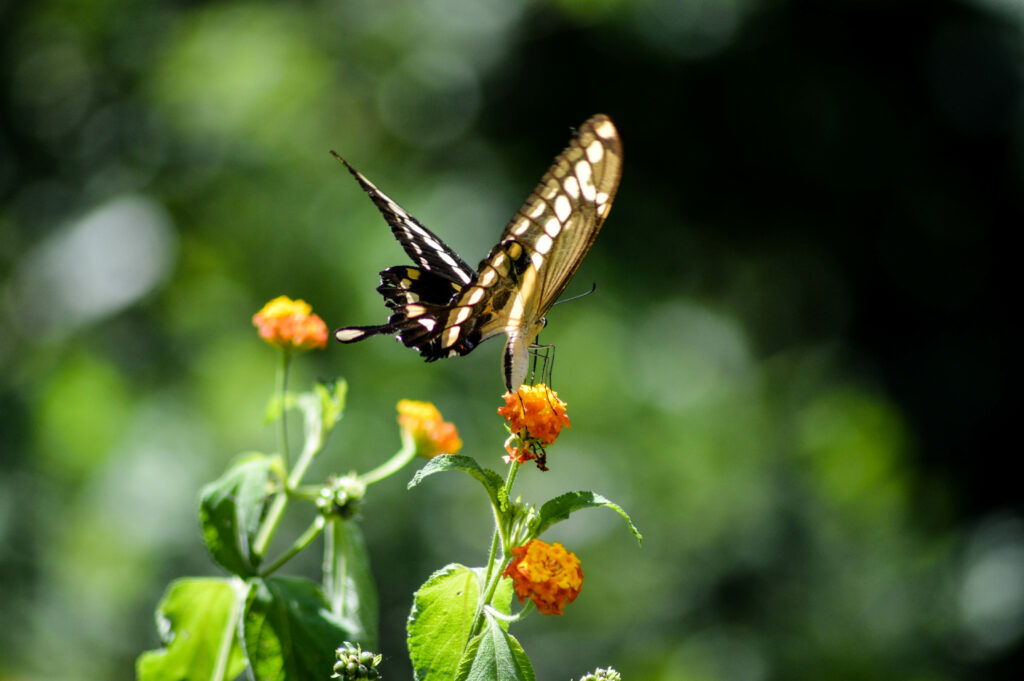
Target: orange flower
534,412
431,433
290,325
546,573
535,417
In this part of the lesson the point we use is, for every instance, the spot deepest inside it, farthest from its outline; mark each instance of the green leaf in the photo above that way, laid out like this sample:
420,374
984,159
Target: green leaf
348,582
230,511
321,409
491,481
495,655
559,509
439,624
289,631
197,620
332,401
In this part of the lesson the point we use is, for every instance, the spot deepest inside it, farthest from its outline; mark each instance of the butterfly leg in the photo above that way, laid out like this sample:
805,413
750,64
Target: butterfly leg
542,356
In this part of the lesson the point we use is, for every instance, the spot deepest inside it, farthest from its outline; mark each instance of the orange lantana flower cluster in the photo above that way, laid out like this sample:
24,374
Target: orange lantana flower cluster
432,435
290,325
547,574
535,418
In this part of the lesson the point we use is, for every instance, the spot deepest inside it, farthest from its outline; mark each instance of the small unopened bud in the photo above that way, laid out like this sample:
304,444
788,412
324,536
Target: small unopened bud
602,675
356,664
341,497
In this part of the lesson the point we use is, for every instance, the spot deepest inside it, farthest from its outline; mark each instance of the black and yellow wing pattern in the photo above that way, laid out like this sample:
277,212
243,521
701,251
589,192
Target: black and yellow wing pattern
443,307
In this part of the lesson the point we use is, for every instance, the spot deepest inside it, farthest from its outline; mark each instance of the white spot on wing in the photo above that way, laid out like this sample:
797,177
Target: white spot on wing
605,129
583,172
553,227
537,259
537,210
544,244
476,295
488,276
562,208
349,335
427,323
455,266
463,314
451,334
520,227
572,187
595,150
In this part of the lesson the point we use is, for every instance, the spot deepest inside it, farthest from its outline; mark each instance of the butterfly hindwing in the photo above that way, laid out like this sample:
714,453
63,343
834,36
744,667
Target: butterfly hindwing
445,308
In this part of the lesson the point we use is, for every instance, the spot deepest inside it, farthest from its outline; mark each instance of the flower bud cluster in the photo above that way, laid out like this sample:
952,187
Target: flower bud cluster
341,497
355,664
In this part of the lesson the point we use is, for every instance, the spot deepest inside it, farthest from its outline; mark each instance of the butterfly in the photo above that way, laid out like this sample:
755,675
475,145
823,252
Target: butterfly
443,307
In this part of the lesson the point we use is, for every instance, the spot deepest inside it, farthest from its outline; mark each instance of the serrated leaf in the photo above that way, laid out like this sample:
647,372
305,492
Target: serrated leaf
289,632
559,509
348,582
230,511
495,655
491,481
197,620
439,624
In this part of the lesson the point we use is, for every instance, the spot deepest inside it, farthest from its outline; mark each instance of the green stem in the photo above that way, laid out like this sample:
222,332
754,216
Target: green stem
511,619
311,533
392,465
277,506
227,640
282,388
493,576
259,546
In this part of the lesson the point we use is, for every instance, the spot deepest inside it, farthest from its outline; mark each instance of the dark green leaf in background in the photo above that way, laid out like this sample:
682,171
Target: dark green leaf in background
230,511
348,581
289,631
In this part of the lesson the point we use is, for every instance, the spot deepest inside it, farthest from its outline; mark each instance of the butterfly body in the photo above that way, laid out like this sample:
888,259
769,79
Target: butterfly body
445,308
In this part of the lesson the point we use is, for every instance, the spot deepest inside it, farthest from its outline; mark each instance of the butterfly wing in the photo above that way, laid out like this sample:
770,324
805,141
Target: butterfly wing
422,245
540,249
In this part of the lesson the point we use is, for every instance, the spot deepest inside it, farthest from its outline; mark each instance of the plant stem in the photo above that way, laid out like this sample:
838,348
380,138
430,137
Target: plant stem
492,575
282,390
281,500
314,529
395,463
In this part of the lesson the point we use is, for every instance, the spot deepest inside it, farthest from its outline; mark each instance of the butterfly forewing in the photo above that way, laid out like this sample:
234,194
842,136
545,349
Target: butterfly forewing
544,243
422,245
561,218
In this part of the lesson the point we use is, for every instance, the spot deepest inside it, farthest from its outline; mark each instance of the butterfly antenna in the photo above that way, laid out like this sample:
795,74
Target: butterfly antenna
593,287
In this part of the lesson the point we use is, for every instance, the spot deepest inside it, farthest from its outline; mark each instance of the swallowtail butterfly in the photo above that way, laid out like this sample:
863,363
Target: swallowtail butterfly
443,307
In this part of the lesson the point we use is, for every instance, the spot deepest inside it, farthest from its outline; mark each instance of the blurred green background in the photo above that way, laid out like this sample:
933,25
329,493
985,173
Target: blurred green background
794,373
